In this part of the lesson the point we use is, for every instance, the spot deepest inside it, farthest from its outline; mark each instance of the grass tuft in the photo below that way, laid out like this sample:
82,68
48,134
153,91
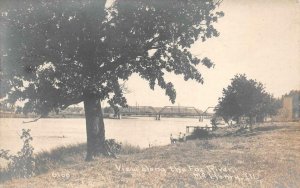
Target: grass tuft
127,149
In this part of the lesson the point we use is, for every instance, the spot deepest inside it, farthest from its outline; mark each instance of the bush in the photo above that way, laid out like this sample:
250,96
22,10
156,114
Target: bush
213,121
21,165
113,146
199,134
116,148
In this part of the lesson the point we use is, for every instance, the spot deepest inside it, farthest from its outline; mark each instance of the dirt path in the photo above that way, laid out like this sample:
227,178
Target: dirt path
268,157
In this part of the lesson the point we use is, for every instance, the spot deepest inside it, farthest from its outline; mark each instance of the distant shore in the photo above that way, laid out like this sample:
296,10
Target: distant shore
62,116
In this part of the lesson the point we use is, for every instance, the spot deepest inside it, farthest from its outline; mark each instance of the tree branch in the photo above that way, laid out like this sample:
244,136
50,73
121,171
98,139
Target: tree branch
35,120
68,103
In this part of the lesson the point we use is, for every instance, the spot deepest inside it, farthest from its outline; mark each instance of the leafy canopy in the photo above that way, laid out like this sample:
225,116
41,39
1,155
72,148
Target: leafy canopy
245,97
53,53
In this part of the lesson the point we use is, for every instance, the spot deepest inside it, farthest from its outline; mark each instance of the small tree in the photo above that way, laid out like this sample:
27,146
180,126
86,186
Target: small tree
21,165
245,97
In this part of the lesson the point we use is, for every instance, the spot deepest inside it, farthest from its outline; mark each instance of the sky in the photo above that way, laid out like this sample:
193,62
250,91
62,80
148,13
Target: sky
260,38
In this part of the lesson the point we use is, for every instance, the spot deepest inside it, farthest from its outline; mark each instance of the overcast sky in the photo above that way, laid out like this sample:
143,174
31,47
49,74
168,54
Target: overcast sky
260,38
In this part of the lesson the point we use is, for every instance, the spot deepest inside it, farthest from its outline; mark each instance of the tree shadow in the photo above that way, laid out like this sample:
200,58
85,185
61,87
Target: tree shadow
270,128
246,132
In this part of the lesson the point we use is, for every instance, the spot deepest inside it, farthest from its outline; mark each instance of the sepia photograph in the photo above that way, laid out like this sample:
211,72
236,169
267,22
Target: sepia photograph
150,93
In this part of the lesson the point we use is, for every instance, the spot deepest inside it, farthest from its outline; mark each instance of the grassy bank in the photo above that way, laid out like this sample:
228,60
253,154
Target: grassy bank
266,157
62,157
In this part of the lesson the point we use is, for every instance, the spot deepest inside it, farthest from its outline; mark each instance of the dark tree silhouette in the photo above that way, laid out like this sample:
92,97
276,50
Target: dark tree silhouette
55,53
246,97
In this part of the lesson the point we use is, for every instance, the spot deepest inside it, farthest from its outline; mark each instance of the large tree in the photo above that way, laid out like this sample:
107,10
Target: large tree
245,97
55,53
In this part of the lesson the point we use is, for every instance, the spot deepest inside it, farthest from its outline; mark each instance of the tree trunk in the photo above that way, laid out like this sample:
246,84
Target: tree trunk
251,122
94,126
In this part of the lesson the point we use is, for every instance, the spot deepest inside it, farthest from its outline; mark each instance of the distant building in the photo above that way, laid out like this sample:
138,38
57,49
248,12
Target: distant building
290,110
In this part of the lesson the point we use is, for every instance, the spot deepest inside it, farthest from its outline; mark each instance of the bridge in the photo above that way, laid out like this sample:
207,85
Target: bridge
166,111
178,111
205,114
138,110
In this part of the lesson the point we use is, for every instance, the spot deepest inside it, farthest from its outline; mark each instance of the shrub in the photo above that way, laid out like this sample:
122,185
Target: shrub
213,121
21,165
116,148
113,146
199,134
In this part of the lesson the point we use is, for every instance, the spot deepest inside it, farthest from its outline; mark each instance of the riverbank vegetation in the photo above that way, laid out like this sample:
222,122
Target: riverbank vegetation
267,156
25,164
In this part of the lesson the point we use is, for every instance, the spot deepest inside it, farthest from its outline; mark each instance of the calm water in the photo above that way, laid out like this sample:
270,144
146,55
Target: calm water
50,133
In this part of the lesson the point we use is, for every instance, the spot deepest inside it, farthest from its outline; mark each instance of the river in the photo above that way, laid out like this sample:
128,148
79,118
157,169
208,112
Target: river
50,133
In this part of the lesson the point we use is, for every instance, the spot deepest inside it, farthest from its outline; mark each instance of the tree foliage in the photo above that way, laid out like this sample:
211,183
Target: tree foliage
53,52
246,97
